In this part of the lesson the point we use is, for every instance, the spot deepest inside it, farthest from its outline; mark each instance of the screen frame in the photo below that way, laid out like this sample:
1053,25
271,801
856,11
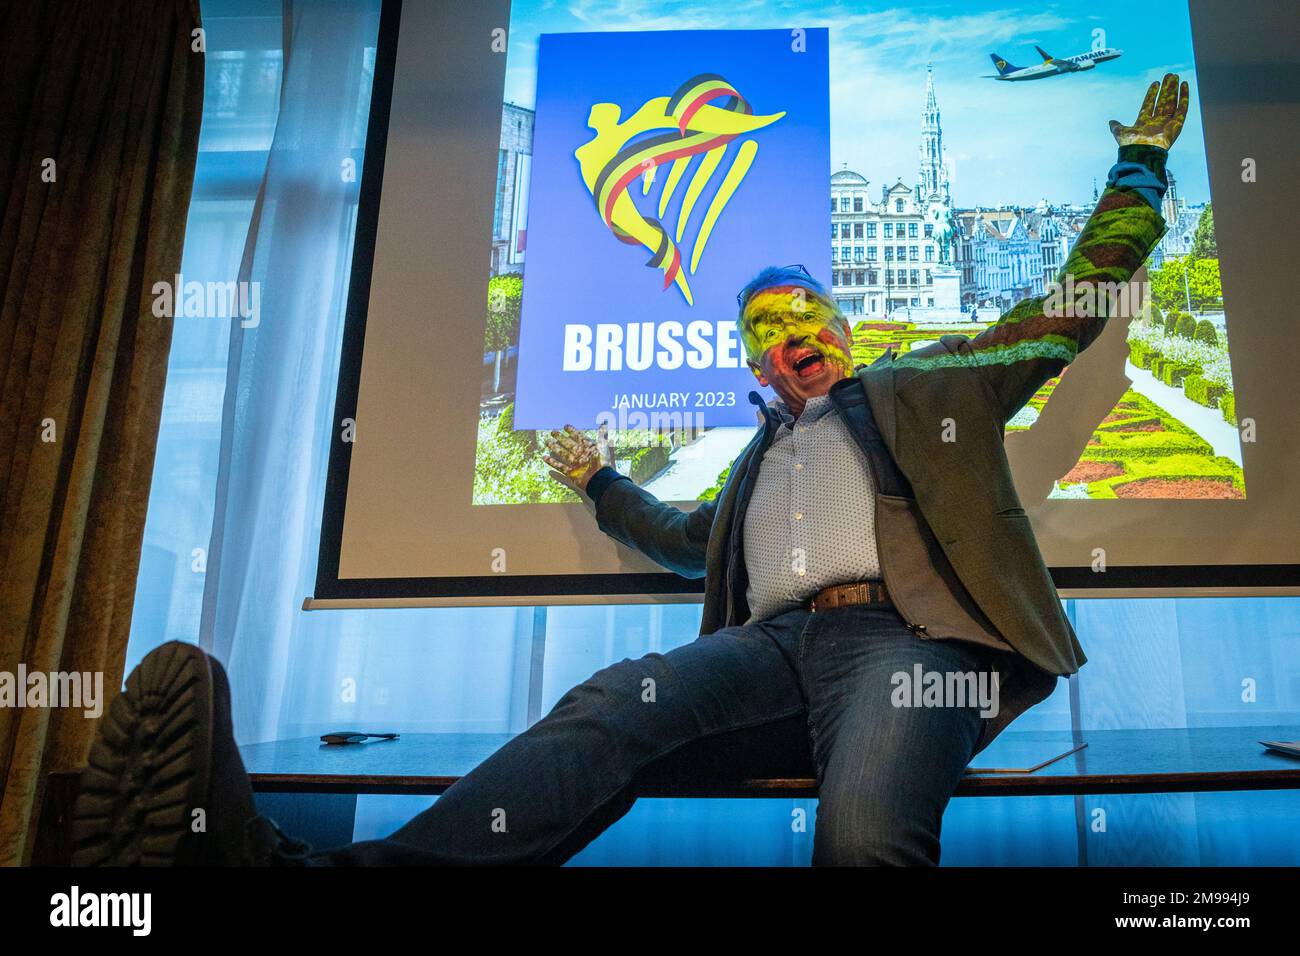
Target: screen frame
615,588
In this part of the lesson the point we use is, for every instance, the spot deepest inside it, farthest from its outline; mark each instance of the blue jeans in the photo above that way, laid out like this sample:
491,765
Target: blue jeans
799,692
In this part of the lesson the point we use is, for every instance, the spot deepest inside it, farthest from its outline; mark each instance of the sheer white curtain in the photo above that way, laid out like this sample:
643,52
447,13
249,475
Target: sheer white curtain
283,361
240,107
294,673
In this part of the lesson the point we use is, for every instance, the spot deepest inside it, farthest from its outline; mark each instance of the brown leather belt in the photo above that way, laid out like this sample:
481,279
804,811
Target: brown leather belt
844,595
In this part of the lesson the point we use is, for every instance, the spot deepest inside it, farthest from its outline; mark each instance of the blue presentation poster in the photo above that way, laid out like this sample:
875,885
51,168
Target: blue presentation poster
668,168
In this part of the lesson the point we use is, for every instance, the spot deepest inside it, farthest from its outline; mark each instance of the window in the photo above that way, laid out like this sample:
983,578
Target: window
240,107
898,205
871,253
857,253
858,277
916,280
844,204
929,229
857,230
929,253
889,253
873,277
911,230
835,230
871,230
857,204
913,253
889,230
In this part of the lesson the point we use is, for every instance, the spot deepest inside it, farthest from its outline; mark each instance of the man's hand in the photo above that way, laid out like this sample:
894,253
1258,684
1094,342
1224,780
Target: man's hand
1161,117
574,456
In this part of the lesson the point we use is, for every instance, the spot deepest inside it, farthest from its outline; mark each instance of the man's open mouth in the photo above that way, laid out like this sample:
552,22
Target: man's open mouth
810,364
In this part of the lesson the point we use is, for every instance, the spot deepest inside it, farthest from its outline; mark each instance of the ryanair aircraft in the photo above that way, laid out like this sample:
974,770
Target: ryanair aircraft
1051,66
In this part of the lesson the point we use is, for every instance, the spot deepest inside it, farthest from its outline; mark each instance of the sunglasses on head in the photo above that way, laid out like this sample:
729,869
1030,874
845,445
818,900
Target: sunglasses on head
740,296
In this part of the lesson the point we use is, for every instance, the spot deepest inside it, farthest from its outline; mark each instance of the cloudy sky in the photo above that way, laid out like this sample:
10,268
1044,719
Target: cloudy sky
1006,142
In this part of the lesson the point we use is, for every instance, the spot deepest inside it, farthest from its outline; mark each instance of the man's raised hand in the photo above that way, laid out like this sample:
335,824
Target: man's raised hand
1161,117
574,457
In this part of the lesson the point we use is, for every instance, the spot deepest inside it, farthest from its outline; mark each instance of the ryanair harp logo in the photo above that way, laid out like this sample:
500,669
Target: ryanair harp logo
619,154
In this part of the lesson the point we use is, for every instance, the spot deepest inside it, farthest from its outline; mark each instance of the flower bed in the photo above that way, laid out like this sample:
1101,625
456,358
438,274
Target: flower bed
1140,450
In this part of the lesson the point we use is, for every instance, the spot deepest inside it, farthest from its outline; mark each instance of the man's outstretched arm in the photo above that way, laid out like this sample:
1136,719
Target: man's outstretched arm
674,539
1038,337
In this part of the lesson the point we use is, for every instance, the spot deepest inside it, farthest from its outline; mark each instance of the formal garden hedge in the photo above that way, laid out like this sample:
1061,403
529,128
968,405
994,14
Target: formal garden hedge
508,466
716,488
648,462
1140,442
1184,352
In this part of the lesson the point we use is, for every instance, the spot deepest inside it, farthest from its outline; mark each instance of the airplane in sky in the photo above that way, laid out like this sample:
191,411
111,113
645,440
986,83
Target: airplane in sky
1051,66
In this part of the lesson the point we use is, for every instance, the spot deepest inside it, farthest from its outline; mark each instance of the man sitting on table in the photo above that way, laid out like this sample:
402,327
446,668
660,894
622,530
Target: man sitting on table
867,570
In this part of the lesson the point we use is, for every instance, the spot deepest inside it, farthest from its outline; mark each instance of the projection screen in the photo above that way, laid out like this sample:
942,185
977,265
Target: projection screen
510,276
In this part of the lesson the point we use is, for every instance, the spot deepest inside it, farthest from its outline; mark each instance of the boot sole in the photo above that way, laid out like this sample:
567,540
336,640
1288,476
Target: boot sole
149,767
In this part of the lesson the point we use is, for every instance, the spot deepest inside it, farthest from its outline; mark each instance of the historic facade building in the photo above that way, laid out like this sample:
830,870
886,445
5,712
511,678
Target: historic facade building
888,253
510,210
1181,221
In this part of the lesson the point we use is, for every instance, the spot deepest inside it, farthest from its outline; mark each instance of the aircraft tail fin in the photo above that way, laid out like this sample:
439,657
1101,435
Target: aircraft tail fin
1047,57
1003,66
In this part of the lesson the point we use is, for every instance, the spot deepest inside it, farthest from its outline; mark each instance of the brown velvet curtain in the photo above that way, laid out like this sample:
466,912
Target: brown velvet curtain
100,105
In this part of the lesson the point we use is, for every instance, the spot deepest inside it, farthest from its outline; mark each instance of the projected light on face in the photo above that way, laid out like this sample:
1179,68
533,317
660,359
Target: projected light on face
796,339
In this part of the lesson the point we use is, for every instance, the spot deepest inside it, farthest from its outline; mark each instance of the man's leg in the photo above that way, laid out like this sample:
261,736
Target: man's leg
886,766
551,790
